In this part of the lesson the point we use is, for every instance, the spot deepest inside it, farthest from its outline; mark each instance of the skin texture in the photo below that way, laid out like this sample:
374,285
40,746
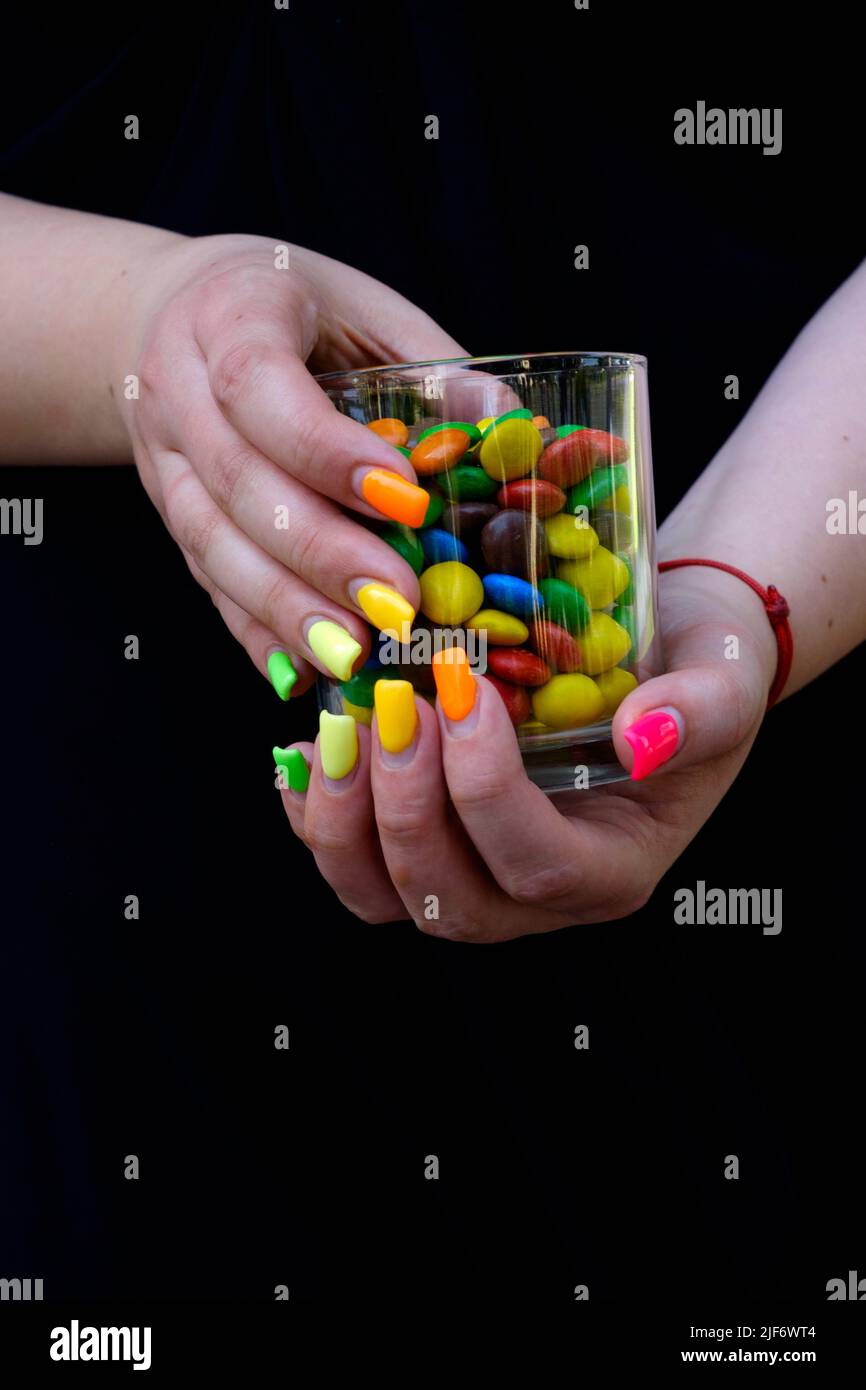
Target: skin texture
228,426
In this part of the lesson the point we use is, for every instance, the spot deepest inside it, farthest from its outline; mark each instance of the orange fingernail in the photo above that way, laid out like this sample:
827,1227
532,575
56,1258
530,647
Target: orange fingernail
455,683
391,495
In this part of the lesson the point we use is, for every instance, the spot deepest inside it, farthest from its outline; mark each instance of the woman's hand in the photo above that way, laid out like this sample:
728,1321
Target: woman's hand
452,834
244,456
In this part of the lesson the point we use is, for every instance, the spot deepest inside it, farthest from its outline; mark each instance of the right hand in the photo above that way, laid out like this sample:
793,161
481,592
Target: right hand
231,432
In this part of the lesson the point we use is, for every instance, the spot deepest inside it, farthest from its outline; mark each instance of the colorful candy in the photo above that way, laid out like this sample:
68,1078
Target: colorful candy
500,629
518,666
514,697
532,495
392,431
439,451
514,542
603,644
467,483
442,545
451,592
510,448
614,685
569,538
568,702
564,604
601,578
512,595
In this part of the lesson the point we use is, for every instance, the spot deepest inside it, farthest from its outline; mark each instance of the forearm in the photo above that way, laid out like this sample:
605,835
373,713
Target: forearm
68,285
762,502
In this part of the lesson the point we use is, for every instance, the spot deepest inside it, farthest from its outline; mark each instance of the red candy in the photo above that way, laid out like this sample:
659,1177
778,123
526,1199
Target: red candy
557,646
517,665
567,461
515,700
532,495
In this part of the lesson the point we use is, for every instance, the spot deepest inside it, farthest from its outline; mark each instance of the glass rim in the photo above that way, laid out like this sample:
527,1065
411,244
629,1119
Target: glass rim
519,359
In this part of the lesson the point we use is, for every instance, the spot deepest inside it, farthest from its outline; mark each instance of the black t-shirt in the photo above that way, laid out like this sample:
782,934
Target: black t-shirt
154,1036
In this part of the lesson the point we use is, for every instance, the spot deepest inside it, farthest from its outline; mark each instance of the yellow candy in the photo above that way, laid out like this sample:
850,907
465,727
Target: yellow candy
568,538
602,644
621,500
510,450
358,712
601,578
614,685
484,424
450,592
568,702
503,629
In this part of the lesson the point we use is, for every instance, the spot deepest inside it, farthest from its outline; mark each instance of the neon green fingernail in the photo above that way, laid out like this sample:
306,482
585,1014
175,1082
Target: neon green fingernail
296,767
282,673
335,647
338,744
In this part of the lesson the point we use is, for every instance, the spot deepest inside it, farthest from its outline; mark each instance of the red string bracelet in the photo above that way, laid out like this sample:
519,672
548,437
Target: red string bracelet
777,611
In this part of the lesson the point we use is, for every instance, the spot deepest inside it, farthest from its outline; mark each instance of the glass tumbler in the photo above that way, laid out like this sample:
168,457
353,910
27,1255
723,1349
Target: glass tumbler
537,552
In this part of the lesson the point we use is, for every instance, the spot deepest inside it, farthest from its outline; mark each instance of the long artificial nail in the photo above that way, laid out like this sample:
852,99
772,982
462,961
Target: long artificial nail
655,738
393,496
395,714
455,683
335,647
282,673
296,767
338,744
387,610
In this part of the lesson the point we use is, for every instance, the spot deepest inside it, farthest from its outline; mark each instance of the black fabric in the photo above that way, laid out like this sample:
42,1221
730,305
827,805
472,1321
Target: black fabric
153,777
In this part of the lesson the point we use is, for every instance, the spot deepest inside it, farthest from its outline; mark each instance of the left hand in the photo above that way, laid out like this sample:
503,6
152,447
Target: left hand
459,829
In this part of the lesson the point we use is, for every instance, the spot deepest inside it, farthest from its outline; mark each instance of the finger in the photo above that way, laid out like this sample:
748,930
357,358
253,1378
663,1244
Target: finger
331,639
702,708
571,867
446,888
339,828
294,798
265,390
298,527
260,644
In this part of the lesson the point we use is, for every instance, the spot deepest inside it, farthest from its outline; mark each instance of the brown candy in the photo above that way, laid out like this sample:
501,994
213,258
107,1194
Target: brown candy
514,542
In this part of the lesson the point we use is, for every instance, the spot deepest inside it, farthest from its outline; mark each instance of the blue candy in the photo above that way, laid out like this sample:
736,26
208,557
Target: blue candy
512,595
440,546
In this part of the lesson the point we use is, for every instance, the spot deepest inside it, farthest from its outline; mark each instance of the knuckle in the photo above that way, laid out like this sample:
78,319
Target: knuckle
405,825
484,792
544,887
275,601
237,369
228,469
448,929
151,371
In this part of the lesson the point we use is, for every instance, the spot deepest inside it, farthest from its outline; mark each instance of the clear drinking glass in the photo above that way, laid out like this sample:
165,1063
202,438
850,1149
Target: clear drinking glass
540,477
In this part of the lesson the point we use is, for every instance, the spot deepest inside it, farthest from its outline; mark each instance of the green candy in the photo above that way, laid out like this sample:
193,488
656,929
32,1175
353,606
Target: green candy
624,615
403,539
472,430
564,605
626,598
295,766
359,690
467,483
563,430
400,450
597,488
434,510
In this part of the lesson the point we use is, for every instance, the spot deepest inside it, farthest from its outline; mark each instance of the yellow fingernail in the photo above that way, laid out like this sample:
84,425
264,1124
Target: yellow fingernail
386,609
395,714
335,647
338,744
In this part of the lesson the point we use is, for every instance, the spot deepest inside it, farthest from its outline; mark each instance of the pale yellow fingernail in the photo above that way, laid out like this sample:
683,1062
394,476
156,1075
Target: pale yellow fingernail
395,714
335,647
338,744
386,609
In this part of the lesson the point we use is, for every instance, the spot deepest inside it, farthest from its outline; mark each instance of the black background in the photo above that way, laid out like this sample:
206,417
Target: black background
154,777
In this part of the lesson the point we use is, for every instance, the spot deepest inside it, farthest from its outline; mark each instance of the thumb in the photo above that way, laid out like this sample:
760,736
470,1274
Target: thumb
707,703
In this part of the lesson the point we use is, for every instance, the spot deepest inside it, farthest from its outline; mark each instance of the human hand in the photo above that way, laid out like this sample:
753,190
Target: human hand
453,824
231,433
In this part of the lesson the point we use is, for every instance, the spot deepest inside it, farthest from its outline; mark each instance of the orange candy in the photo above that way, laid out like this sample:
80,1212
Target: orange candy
439,451
392,431
455,683
541,422
393,496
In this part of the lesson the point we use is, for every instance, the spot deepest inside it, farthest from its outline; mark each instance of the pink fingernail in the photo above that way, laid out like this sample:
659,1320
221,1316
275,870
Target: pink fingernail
654,738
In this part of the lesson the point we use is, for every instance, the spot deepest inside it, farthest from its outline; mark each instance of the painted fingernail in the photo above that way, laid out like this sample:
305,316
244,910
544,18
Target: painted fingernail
387,610
334,646
338,744
455,683
282,673
654,738
393,496
296,767
395,714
